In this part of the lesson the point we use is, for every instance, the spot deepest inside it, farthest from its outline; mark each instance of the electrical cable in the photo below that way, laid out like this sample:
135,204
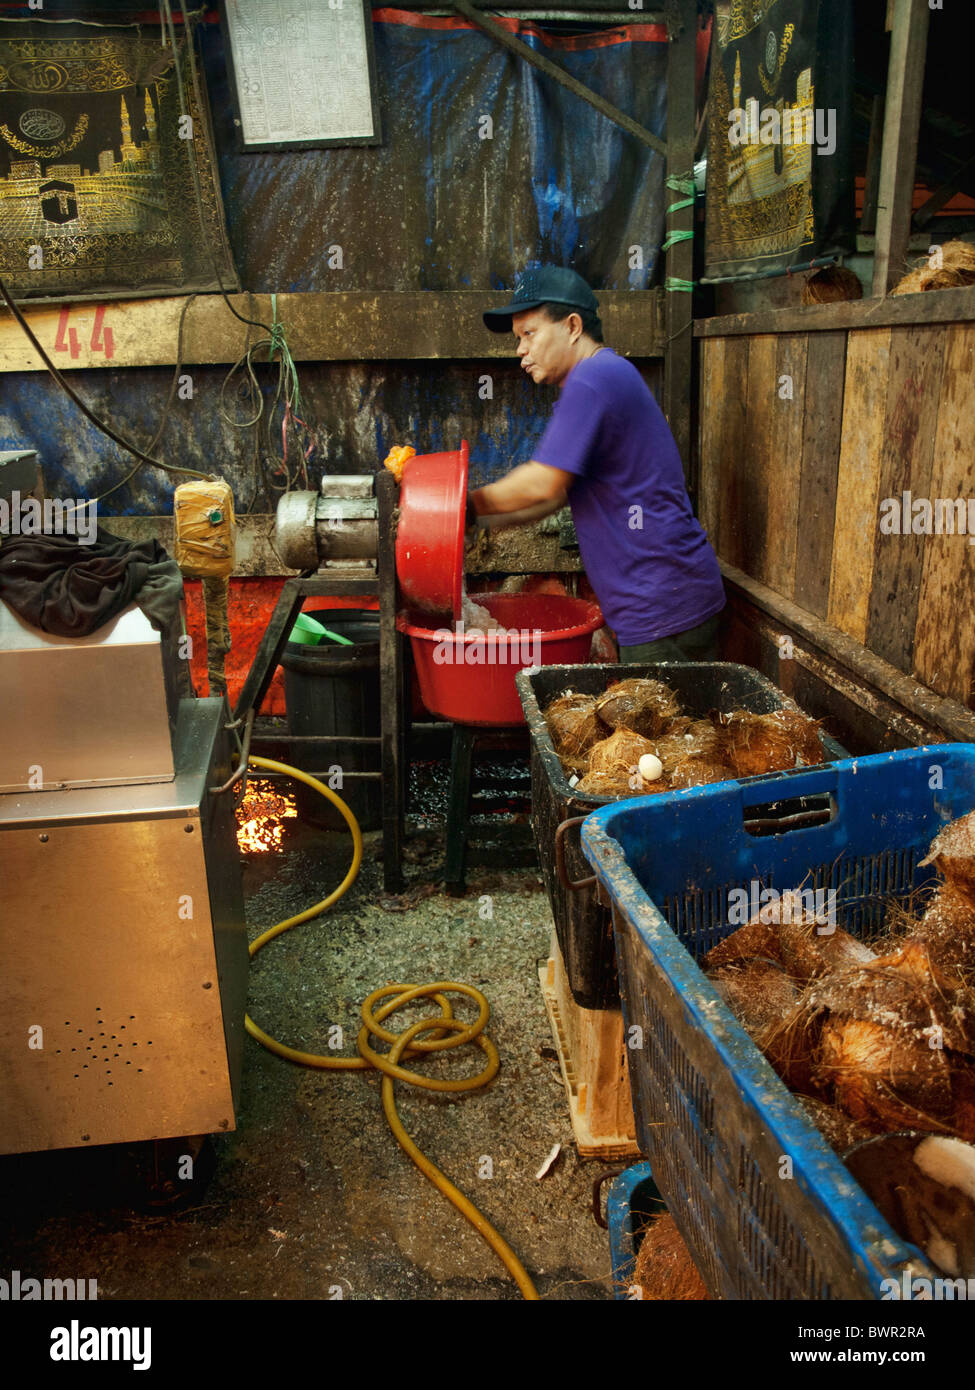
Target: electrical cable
406,1044
89,414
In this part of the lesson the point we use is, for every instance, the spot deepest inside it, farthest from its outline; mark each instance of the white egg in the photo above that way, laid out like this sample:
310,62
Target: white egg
651,768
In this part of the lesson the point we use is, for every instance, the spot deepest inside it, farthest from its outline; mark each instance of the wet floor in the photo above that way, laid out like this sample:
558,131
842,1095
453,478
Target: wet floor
311,1197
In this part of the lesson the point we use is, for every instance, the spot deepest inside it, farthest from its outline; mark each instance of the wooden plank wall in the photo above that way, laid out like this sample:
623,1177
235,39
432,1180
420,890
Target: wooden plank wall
803,435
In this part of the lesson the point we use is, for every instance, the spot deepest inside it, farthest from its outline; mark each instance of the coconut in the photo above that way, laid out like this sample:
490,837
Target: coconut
952,853
621,752
759,743
880,1074
615,784
756,938
645,706
956,268
947,929
809,946
699,772
893,1032
790,1047
758,992
924,1186
839,1131
573,726
664,1269
830,284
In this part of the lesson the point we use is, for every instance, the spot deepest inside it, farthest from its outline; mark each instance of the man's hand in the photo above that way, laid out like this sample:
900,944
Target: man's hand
529,486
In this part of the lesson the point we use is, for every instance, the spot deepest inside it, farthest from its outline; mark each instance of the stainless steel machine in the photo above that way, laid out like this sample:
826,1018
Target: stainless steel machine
123,955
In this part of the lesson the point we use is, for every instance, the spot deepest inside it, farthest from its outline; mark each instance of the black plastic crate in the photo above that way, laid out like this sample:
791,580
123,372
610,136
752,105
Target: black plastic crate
584,928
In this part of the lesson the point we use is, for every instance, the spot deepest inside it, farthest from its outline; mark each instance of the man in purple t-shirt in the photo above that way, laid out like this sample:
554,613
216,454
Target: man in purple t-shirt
610,449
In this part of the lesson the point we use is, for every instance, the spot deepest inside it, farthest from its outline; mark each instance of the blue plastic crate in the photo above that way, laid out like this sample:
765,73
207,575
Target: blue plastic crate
712,1117
633,1198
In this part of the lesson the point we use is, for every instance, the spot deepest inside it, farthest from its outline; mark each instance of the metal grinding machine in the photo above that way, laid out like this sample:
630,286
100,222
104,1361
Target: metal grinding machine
123,954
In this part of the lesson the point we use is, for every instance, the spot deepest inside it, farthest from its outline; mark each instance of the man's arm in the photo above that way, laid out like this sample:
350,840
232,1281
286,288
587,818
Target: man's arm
535,488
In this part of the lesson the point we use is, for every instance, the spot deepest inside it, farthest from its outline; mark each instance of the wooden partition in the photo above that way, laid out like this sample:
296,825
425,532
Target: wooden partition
809,420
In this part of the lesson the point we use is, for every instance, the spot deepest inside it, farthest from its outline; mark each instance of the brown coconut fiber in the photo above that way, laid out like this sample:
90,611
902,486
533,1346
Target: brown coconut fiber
699,772
760,743
956,269
645,706
665,1271
615,784
758,992
840,1132
952,853
619,753
574,726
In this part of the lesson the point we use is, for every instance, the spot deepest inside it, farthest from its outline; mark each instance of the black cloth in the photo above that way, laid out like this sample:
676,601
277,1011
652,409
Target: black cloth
70,590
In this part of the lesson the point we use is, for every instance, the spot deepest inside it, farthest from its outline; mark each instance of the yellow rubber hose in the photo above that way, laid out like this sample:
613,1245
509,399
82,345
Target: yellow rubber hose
445,1032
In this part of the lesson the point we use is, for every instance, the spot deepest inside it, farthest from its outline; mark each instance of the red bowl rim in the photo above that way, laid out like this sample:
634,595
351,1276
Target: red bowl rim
589,624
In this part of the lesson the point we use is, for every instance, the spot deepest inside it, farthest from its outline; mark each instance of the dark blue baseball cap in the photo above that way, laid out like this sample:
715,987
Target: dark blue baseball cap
552,284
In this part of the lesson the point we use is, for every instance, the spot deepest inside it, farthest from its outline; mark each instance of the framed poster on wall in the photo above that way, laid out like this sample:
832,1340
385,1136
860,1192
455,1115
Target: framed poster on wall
97,190
302,74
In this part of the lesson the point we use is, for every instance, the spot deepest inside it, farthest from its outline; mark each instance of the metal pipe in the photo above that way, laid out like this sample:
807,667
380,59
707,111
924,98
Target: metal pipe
244,754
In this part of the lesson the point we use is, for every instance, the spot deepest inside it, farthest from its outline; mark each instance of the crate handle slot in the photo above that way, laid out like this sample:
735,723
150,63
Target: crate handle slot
789,814
572,884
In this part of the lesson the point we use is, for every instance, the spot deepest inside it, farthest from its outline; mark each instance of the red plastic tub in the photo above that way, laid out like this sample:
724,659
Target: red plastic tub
469,677
430,534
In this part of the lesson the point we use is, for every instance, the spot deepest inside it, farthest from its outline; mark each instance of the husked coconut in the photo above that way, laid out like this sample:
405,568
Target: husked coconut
952,853
645,706
619,753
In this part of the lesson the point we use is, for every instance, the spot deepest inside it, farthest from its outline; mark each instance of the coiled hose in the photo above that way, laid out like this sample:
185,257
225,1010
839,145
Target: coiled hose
445,1032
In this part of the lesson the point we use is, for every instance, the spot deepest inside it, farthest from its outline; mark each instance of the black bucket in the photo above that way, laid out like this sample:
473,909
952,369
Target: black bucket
334,689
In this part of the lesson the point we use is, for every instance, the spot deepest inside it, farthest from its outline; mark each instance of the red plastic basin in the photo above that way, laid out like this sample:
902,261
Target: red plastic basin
470,678
430,535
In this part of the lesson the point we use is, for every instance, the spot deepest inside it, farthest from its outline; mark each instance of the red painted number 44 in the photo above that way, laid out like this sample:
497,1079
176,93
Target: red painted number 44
101,335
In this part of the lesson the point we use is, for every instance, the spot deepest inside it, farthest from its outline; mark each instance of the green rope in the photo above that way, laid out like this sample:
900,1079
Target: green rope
674,237
684,203
681,185
673,285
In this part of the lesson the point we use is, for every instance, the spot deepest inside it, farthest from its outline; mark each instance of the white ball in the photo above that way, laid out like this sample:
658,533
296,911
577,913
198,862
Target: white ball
651,768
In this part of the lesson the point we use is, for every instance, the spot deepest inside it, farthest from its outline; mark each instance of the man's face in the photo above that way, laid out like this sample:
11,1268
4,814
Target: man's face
545,348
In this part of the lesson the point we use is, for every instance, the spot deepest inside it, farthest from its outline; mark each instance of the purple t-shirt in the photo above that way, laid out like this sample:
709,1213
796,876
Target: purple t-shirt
646,556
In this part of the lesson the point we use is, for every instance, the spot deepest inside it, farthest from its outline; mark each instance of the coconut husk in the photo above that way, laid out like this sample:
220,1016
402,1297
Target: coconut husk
664,1268
790,1048
699,772
952,853
947,930
904,991
809,947
758,743
963,1103
758,992
957,268
645,706
755,938
882,1075
573,726
831,284
621,752
839,1131
924,1186
687,738
615,784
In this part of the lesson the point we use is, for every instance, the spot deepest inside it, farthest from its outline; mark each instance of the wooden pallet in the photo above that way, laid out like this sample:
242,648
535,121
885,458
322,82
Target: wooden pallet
592,1057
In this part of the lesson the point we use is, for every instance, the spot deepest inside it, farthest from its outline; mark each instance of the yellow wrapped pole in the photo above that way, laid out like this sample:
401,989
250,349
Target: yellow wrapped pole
206,535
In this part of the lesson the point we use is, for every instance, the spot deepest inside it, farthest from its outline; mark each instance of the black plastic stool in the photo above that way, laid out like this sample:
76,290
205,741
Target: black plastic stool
465,738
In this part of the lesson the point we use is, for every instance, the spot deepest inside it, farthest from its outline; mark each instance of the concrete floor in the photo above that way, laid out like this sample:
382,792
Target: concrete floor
311,1197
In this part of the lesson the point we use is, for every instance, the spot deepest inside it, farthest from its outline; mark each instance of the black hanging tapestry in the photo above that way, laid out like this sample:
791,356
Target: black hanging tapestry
780,176
96,185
